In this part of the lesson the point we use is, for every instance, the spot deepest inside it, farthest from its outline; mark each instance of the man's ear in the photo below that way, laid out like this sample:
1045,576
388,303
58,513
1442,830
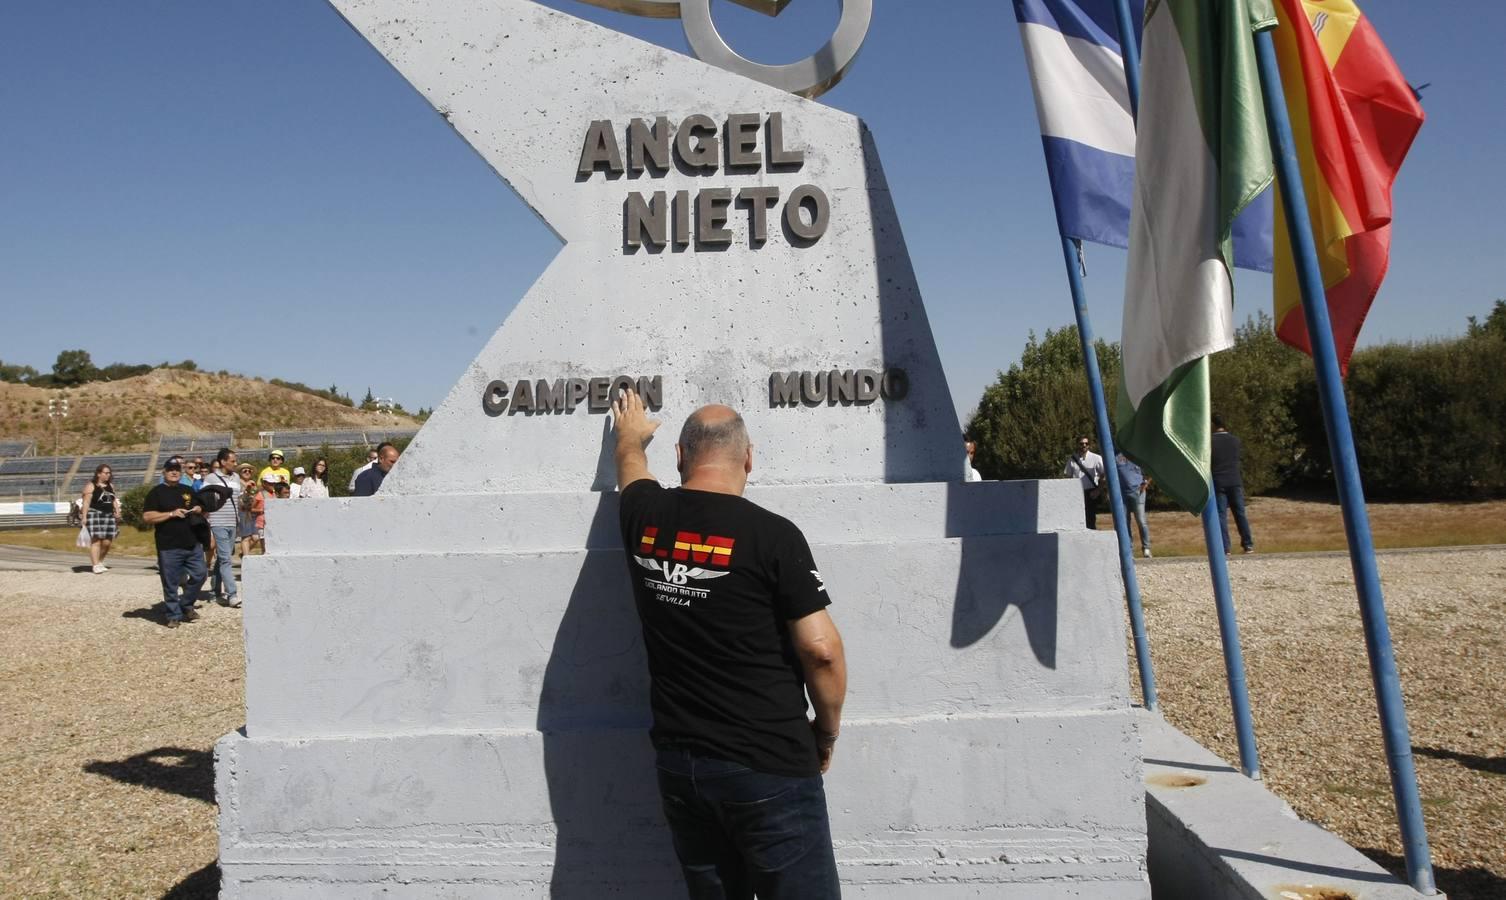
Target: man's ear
748,461
679,461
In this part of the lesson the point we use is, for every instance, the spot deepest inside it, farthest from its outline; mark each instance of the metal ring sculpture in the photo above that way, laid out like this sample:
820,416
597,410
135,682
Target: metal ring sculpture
809,77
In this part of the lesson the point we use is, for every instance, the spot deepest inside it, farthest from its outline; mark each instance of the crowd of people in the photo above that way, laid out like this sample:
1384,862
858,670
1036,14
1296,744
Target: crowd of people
202,514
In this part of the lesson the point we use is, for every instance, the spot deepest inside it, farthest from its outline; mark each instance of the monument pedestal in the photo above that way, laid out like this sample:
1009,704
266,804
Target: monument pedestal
447,696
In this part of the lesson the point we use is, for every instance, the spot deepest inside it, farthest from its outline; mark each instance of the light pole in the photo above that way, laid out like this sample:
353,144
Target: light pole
57,411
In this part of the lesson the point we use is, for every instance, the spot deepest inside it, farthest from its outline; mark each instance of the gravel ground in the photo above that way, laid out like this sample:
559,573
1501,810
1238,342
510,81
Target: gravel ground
108,720
107,724
1316,725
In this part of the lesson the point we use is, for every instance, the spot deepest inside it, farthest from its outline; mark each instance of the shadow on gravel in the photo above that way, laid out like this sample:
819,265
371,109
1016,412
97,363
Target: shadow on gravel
154,613
201,885
174,770
1473,883
1491,765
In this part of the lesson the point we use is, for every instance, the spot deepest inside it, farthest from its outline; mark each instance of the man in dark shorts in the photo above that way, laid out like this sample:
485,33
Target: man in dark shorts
735,624
173,510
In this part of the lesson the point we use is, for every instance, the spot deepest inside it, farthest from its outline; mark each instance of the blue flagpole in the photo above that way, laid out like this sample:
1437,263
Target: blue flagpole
1070,249
1228,629
1223,597
1393,713
1129,51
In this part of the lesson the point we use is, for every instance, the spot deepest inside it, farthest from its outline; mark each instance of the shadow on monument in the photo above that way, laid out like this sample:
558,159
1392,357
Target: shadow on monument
995,572
174,770
610,837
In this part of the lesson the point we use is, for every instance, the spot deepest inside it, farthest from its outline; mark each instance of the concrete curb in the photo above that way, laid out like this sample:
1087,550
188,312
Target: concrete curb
1216,835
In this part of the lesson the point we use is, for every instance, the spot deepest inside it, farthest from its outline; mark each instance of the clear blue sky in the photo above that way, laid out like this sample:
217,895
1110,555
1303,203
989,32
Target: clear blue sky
175,162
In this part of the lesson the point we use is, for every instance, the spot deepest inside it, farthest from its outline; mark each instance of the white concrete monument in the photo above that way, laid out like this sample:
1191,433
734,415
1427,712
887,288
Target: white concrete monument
446,692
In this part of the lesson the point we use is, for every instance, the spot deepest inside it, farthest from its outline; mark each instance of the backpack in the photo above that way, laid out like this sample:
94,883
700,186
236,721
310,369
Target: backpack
213,497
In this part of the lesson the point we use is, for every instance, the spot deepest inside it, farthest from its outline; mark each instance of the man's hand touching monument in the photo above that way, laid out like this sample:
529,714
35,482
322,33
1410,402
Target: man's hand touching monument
634,430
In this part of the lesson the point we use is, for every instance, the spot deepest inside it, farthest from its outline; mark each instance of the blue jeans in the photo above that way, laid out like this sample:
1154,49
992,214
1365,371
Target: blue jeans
738,832
172,565
1134,503
222,579
1233,498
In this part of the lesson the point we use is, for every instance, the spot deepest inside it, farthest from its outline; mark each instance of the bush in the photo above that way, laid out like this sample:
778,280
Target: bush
1254,386
131,503
1429,420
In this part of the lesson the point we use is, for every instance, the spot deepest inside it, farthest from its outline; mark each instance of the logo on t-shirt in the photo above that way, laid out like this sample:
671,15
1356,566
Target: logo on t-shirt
684,561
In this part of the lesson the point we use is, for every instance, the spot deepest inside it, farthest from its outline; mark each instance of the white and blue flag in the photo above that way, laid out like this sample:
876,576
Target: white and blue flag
1088,129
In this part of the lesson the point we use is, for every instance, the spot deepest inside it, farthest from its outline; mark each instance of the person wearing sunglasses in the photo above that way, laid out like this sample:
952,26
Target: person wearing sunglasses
1087,467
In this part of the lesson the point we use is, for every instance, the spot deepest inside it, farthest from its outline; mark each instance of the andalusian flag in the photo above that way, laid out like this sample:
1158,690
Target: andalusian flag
1353,120
1201,156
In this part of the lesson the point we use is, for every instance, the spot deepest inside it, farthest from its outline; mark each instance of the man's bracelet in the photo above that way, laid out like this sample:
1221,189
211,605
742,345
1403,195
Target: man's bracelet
824,738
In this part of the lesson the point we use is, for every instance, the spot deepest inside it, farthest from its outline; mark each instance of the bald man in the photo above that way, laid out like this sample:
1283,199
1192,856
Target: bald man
735,624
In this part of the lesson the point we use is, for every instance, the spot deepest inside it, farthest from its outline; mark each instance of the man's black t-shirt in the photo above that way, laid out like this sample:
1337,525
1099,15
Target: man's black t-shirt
1226,452
716,579
174,534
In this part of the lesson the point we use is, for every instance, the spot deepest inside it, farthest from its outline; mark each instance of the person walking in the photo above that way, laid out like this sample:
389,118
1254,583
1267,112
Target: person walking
1229,484
316,485
224,524
1134,484
1087,467
733,611
101,516
170,509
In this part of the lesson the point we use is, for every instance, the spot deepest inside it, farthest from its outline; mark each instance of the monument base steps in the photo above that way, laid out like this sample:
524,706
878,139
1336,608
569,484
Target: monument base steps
460,720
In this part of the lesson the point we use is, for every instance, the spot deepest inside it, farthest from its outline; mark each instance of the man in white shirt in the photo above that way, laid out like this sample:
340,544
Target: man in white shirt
296,487
1087,467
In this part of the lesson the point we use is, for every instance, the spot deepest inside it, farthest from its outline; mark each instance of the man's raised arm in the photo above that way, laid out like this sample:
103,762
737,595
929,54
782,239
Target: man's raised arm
634,430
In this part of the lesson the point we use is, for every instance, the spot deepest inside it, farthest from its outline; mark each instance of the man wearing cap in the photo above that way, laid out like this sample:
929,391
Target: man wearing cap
296,487
170,508
275,467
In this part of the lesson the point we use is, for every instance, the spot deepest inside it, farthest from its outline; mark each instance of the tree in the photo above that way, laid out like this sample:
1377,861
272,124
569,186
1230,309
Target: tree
368,402
16,373
1026,419
1495,323
1254,386
73,367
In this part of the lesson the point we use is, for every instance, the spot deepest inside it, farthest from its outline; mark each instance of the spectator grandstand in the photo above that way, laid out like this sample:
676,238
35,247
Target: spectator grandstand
194,443
17,447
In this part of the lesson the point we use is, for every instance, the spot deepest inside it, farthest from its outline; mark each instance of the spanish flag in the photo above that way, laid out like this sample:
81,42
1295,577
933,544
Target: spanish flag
1353,119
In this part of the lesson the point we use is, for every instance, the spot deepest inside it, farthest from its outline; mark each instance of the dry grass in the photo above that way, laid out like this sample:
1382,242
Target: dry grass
1288,526
128,414
1315,716
130,542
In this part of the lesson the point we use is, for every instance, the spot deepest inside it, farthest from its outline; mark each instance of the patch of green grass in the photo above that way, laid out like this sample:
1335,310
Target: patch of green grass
130,542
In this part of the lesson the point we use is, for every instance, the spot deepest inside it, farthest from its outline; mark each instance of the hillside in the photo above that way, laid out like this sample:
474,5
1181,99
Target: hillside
129,414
